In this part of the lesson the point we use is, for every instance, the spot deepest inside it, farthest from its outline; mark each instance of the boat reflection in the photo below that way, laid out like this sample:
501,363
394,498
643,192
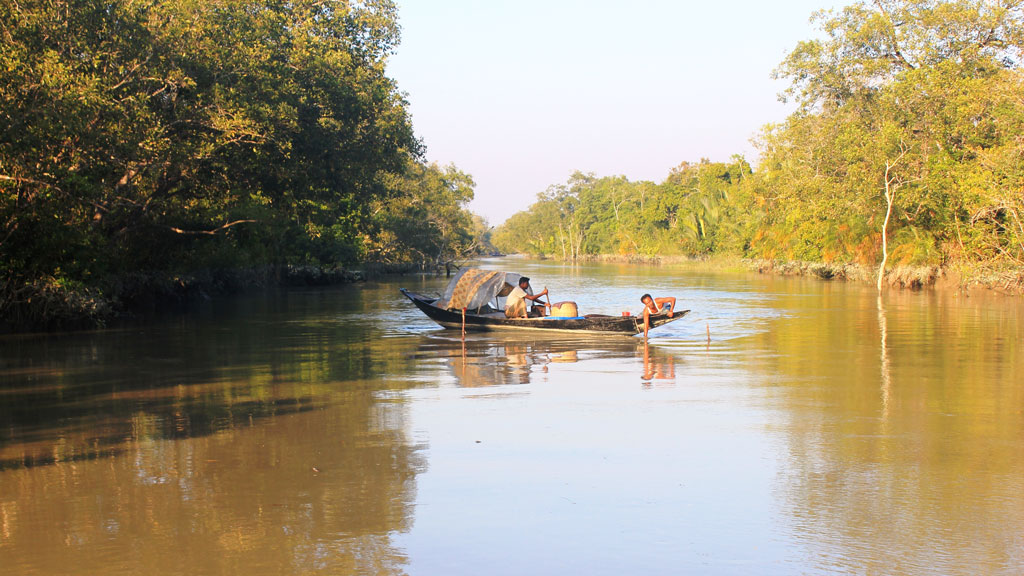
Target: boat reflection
515,359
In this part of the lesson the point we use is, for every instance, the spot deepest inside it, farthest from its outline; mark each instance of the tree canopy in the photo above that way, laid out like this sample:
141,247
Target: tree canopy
905,145
178,134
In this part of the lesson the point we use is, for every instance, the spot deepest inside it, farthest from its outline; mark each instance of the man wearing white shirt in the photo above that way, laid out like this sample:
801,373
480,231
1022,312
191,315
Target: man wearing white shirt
515,302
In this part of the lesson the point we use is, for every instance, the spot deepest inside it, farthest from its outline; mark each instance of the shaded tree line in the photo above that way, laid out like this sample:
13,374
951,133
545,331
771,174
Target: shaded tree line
165,137
905,149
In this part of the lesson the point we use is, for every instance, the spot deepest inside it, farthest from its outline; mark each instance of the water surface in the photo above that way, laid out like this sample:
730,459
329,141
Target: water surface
821,430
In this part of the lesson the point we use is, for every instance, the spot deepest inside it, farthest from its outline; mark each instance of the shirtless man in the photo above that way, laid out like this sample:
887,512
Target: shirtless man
515,303
653,306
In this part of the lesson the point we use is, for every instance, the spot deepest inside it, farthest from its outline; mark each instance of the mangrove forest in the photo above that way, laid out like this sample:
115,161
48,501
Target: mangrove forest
150,147
153,149
905,151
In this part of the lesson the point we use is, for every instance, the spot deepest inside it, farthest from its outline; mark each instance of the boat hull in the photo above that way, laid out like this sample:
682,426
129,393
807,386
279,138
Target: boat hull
596,323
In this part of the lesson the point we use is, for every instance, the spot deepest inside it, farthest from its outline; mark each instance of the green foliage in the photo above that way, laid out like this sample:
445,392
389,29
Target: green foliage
924,96
910,109
423,218
690,213
178,135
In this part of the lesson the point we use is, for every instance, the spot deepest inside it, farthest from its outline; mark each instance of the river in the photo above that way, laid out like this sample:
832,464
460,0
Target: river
784,426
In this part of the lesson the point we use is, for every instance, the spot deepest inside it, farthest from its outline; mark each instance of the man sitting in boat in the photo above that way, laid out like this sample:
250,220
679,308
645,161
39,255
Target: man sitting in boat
515,303
654,306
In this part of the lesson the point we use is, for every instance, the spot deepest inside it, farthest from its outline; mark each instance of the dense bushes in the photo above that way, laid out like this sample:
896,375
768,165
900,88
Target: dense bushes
908,128
170,137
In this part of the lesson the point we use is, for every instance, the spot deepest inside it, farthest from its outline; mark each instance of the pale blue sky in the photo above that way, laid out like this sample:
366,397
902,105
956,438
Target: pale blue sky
521,94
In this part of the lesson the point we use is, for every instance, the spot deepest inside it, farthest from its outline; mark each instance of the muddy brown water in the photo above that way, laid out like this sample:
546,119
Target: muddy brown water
821,431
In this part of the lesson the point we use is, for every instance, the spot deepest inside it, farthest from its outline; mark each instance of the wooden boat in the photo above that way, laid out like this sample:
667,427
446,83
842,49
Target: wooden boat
471,300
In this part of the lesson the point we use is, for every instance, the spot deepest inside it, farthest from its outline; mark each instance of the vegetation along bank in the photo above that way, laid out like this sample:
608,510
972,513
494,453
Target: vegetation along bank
903,163
153,149
157,149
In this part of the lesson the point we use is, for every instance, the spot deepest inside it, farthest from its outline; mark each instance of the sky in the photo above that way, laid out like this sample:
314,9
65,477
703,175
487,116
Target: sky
522,94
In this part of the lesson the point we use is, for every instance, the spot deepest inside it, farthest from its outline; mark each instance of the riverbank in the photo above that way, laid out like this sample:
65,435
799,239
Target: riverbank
54,304
1010,282
51,304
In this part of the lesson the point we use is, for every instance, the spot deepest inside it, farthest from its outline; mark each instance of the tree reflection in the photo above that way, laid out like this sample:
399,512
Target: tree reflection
82,396
255,439
876,477
324,491
883,330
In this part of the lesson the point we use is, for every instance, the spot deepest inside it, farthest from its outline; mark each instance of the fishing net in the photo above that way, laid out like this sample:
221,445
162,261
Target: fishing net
472,289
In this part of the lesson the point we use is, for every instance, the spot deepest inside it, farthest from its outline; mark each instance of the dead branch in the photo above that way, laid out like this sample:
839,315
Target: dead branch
892,183
1020,227
210,232
20,180
128,75
897,56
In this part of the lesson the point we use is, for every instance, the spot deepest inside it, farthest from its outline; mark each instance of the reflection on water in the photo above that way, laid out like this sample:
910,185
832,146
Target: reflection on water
508,359
250,437
260,499
822,430
903,431
658,367
262,435
883,332
186,379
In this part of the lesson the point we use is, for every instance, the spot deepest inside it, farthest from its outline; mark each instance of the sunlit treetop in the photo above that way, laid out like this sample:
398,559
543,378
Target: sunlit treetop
869,43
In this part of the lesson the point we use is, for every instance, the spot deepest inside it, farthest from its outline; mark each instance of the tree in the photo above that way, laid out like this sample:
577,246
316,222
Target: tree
423,218
164,138
157,135
898,96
